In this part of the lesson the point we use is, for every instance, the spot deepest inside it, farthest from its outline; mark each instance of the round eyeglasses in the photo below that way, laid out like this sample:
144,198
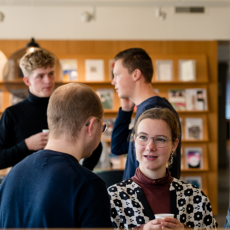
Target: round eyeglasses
104,128
159,141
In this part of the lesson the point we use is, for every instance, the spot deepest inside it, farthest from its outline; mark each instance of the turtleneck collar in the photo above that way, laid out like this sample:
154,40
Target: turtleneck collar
143,180
37,100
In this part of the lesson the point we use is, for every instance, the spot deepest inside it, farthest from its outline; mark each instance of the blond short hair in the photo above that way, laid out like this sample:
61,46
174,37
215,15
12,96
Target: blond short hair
69,108
36,59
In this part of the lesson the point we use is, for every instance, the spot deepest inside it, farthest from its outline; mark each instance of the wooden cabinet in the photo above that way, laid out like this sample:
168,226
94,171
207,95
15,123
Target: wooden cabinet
205,54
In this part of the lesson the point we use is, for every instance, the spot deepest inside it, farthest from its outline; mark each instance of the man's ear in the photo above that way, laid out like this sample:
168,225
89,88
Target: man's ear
136,74
90,126
26,81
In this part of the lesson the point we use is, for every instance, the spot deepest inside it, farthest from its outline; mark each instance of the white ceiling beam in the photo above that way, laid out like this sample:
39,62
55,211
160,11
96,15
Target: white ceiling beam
133,3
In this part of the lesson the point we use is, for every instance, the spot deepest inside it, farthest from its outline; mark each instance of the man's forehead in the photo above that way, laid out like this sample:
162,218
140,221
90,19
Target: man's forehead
44,70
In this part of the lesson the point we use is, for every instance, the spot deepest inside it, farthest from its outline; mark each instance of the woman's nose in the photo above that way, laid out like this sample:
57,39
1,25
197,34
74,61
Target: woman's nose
151,145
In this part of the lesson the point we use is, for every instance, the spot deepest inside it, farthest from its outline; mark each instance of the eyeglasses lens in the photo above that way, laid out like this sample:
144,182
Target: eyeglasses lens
159,141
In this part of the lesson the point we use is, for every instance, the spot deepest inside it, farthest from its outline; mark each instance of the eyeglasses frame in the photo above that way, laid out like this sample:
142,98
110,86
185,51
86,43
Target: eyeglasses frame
104,124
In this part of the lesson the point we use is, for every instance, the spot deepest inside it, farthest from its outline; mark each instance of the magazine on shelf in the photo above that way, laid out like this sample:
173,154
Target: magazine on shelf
106,96
164,70
1,99
194,180
196,99
17,95
187,70
111,67
10,70
110,123
94,70
69,69
194,128
177,98
193,157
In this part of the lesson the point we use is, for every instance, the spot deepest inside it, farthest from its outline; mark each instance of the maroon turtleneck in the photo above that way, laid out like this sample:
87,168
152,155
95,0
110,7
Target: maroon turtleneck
156,191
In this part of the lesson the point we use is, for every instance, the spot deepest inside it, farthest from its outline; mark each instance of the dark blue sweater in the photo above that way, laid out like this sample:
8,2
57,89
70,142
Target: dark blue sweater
50,189
121,144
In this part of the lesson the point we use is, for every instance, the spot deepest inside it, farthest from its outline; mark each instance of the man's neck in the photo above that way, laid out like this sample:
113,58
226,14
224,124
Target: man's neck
142,92
64,146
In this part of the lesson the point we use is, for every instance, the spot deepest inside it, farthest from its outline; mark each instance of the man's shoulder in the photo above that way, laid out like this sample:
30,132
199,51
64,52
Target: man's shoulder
156,101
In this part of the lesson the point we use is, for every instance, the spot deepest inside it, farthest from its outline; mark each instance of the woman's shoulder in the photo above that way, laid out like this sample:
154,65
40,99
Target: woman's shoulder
125,185
189,189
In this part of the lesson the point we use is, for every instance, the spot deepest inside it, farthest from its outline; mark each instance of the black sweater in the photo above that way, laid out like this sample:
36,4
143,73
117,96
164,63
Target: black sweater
21,121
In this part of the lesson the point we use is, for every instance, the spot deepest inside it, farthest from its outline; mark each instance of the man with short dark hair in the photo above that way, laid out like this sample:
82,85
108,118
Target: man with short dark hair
133,73
49,188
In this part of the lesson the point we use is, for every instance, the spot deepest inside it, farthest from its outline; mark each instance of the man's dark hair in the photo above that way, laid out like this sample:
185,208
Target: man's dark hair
137,58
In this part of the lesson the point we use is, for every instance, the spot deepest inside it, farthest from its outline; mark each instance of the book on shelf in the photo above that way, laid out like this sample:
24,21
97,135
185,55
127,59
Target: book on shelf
194,180
111,67
94,70
110,122
106,96
17,95
177,98
193,128
1,99
181,125
69,70
193,157
164,70
187,70
196,99
3,61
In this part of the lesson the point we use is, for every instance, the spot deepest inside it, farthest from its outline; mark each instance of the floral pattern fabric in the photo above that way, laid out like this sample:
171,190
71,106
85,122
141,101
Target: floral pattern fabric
130,208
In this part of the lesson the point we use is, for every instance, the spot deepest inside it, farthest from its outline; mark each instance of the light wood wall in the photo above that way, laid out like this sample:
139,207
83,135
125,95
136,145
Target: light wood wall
90,49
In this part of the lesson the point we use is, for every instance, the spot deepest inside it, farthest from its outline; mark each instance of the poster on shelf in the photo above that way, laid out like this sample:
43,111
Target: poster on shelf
193,157
10,70
194,180
177,98
196,99
94,70
3,61
69,69
193,128
106,96
164,70
187,70
111,67
1,99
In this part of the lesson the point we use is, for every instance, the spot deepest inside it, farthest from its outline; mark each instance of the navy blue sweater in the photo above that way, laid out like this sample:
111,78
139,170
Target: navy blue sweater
51,189
121,144
23,120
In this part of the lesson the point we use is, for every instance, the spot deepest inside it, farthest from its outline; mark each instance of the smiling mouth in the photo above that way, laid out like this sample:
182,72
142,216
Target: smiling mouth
150,157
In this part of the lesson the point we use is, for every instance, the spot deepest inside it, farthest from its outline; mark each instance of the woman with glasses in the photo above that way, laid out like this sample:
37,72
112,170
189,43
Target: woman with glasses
152,190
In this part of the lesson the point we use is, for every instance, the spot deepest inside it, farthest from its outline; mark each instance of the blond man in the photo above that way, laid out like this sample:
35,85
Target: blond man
50,189
21,125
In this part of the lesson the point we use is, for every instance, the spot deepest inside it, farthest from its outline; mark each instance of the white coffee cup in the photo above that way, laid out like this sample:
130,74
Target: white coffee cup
163,215
45,130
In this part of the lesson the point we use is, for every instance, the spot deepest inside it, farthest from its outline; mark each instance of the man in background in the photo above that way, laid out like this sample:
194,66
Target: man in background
21,125
50,189
133,72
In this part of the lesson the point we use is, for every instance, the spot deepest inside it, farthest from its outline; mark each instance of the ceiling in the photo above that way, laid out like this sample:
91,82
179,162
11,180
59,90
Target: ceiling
211,3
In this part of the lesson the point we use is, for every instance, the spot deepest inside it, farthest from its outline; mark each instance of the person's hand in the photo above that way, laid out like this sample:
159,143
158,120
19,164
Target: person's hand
171,223
37,141
153,224
127,105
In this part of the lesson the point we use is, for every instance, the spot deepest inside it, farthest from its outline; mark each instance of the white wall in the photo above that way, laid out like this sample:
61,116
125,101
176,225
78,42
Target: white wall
113,23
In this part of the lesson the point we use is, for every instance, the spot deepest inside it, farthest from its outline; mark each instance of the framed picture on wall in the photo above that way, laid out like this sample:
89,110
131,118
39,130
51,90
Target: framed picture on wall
164,70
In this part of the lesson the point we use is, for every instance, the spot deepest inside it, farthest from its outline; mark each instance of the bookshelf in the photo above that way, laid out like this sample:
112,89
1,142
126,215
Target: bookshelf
205,54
